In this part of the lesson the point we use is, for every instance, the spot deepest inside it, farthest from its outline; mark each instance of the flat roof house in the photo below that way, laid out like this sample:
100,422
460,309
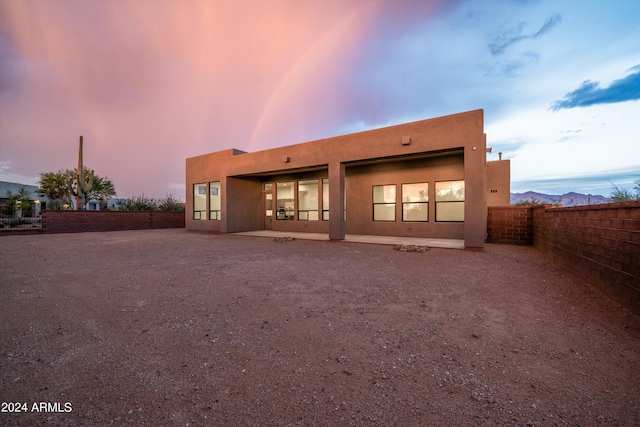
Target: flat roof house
422,179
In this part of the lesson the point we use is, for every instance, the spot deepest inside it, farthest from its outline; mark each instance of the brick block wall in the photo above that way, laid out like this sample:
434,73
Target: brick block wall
512,225
82,221
599,243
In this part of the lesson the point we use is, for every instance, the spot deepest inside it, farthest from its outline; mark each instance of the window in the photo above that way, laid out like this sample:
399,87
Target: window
450,201
325,199
200,201
267,199
415,202
214,200
308,200
284,201
384,202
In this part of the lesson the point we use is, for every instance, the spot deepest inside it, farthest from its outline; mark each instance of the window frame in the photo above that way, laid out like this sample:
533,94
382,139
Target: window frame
384,202
215,214
199,214
414,202
308,211
449,202
325,199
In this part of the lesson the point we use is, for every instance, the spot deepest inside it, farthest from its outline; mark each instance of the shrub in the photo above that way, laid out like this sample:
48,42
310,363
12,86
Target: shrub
170,204
625,194
142,203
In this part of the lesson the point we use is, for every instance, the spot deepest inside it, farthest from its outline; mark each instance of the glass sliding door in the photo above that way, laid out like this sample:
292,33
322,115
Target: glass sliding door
308,200
285,201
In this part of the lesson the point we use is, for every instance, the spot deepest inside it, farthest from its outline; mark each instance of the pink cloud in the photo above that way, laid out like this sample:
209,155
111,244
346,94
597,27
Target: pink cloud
150,83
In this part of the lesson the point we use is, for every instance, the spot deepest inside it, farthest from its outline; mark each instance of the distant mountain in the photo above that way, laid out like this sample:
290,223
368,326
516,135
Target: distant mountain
568,199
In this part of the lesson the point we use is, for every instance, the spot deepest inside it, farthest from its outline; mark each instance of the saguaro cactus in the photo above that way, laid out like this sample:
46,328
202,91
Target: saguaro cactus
84,180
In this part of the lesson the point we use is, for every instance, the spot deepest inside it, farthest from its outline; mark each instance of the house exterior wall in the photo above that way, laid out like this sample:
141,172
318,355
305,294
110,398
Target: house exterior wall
450,147
242,213
361,179
499,183
304,226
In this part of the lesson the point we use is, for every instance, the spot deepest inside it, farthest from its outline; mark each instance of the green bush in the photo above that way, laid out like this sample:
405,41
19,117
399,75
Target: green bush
142,203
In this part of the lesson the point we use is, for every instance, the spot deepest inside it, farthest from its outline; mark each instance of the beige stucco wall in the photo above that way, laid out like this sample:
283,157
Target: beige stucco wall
454,147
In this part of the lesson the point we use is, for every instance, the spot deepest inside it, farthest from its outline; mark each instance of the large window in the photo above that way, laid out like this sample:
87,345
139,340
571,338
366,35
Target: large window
214,200
200,201
415,202
308,200
325,199
450,201
284,201
384,202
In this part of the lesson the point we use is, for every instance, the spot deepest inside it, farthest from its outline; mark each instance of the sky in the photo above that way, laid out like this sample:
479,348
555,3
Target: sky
149,83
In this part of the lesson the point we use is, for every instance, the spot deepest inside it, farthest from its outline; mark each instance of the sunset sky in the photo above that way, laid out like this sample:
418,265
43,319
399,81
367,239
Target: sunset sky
150,83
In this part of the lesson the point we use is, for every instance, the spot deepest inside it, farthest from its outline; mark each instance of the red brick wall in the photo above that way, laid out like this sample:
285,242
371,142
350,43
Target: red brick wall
599,243
80,221
512,225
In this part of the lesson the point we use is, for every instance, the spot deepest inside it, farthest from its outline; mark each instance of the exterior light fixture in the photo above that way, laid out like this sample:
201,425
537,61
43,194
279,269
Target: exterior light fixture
286,159
406,140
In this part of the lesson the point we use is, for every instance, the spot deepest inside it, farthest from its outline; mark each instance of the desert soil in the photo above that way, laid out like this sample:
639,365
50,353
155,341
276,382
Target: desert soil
177,328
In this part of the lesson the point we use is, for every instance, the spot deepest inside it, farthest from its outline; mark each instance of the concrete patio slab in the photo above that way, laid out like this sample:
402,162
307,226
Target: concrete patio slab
361,238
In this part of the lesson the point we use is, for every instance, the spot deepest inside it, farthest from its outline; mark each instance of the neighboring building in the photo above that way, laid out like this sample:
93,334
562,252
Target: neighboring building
422,179
39,202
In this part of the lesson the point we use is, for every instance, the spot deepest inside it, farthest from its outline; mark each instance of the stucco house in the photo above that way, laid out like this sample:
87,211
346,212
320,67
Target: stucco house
428,178
38,202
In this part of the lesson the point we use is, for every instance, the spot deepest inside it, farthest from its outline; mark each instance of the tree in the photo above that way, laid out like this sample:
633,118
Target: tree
63,186
625,194
20,202
57,186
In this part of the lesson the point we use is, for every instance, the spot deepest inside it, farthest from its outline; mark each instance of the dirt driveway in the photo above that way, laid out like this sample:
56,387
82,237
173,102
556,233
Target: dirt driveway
176,328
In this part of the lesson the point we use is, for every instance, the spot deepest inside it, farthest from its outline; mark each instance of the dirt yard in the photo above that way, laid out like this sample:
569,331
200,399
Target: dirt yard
176,328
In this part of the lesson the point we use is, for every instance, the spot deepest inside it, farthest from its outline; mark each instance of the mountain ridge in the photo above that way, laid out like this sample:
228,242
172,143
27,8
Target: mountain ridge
567,199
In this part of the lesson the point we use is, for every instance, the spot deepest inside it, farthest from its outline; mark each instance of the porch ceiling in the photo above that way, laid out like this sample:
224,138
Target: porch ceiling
372,161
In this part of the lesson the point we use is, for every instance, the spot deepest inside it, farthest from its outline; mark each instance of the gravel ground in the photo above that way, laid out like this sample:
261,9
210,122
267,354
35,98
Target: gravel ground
177,328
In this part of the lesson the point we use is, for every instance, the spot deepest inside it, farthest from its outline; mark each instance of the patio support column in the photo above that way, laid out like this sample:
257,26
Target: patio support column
223,205
475,203
336,201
